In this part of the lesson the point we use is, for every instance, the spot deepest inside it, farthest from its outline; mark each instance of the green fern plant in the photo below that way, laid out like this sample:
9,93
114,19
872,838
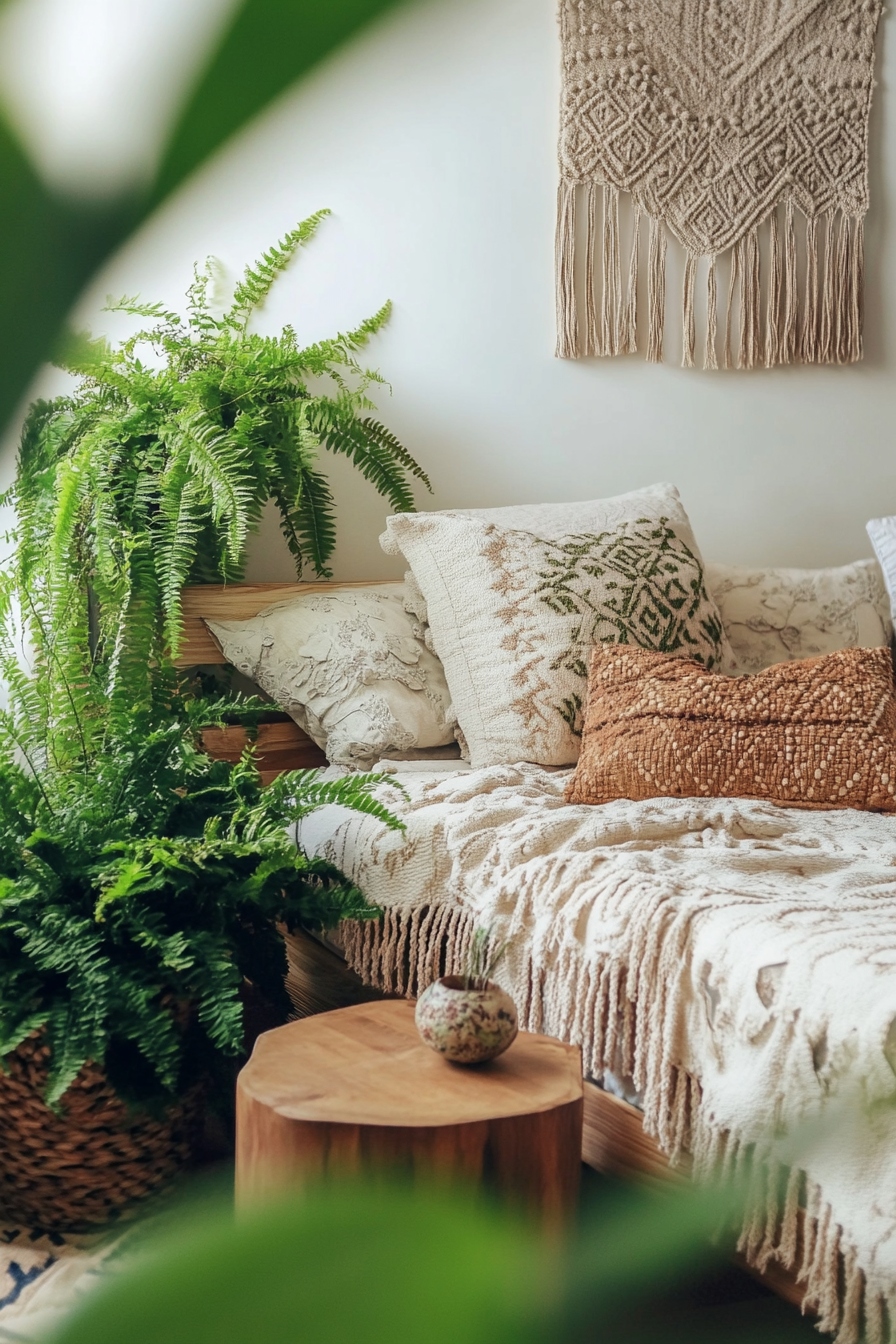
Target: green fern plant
154,472
140,885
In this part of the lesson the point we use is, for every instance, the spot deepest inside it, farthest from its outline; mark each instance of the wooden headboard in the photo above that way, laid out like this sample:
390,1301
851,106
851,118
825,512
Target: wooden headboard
237,602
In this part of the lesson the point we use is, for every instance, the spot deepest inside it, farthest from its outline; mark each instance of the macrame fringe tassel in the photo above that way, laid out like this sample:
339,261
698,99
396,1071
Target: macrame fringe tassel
732,287
821,325
656,291
611,313
842,335
789,349
689,331
565,270
827,323
809,343
857,290
631,311
773,332
593,343
710,360
750,302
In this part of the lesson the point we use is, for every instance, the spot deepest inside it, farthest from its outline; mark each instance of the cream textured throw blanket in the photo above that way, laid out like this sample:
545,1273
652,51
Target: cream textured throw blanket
737,959
712,114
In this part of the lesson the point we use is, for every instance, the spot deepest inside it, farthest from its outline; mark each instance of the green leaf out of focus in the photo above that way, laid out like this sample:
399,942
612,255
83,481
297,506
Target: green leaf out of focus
50,245
384,1262
342,1266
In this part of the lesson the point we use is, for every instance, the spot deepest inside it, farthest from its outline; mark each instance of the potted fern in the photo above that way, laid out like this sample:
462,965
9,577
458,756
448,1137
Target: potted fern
142,885
153,473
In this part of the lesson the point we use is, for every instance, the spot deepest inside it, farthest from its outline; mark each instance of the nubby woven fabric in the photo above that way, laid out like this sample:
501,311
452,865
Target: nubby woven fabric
719,118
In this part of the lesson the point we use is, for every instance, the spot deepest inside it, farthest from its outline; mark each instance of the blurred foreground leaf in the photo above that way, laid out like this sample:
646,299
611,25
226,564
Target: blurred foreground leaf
269,44
343,1266
361,1265
50,246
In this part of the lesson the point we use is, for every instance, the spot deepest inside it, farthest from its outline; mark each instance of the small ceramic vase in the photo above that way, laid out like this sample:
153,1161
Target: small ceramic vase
467,1026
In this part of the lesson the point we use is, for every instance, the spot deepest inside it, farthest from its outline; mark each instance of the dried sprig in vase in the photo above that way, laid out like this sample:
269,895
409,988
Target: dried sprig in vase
468,1018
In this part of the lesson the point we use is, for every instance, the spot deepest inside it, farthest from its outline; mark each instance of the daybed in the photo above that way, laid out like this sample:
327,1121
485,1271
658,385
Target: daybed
728,966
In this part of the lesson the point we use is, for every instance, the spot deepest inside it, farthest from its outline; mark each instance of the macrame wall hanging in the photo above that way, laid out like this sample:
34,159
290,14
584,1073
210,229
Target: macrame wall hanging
719,118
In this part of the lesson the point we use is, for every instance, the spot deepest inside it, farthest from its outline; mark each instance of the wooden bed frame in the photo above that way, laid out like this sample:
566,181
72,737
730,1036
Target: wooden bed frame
613,1140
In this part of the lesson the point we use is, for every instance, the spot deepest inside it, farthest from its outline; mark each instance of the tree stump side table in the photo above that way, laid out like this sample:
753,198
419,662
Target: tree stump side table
356,1088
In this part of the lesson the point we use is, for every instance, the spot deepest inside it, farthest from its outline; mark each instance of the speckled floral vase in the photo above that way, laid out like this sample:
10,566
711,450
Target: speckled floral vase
467,1026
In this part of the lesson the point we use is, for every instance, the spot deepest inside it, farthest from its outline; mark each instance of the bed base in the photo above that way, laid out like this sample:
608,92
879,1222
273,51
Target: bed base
614,1143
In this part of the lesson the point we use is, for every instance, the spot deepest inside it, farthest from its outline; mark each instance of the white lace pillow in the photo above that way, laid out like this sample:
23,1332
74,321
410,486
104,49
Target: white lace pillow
350,666
516,597
778,615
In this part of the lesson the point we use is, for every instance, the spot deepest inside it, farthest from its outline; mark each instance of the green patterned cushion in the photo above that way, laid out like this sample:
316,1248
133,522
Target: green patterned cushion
514,612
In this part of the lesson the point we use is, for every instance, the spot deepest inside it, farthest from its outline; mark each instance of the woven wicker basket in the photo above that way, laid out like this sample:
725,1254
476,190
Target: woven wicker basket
85,1167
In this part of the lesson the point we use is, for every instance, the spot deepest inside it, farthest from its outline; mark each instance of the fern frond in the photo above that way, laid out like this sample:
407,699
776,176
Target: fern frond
257,280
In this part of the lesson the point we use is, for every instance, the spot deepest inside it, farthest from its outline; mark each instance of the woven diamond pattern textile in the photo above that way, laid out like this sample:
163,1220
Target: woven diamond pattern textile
818,733
717,116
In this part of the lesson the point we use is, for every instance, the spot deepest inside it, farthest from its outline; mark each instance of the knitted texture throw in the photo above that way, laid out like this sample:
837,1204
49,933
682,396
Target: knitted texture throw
733,957
816,733
717,116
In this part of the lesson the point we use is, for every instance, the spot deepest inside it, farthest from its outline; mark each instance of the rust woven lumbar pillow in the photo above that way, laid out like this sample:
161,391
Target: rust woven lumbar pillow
816,733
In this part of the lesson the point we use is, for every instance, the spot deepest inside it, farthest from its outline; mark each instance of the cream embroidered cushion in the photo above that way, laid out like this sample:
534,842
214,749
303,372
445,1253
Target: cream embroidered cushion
515,599
350,666
780,615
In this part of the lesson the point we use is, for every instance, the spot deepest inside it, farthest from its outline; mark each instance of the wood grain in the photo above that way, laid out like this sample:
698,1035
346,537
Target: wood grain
357,1088
614,1142
278,747
319,980
236,602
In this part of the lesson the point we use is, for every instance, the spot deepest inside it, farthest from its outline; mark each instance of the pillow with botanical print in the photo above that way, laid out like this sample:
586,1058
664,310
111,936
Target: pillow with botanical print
514,612
350,666
781,615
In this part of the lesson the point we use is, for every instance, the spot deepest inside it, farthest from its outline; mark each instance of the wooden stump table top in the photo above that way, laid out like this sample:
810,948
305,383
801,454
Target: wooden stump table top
366,1065
357,1087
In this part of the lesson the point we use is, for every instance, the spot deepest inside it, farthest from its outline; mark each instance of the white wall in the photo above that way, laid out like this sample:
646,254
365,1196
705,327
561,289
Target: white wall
433,140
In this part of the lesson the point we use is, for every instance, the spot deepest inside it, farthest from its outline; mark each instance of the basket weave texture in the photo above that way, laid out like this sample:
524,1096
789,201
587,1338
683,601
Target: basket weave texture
85,1167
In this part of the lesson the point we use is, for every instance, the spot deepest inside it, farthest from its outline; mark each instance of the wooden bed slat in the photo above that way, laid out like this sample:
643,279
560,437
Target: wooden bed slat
614,1142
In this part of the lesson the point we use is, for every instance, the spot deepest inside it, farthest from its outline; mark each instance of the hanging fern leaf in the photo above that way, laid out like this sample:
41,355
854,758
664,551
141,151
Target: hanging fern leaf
257,280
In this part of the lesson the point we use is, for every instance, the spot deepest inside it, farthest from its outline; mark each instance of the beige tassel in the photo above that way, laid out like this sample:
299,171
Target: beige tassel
656,291
592,332
750,302
611,310
857,289
742,271
631,320
809,342
732,285
788,351
689,333
565,267
710,360
773,308
826,325
842,295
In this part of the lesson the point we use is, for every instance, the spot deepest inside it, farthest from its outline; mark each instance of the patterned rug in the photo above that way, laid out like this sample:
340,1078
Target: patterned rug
43,1275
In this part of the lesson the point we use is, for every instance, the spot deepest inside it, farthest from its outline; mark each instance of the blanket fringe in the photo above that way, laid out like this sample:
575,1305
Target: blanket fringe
626,1021
406,949
817,322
